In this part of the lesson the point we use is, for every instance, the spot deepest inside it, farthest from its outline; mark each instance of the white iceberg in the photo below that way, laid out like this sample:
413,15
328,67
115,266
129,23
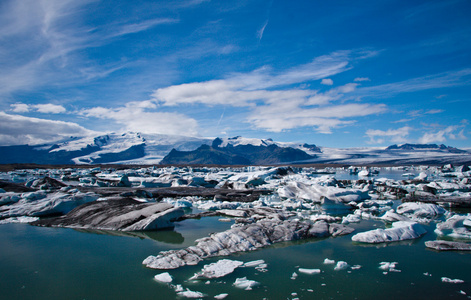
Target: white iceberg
388,266
341,265
455,227
218,269
417,209
254,263
244,283
401,230
309,271
449,280
329,261
163,277
191,294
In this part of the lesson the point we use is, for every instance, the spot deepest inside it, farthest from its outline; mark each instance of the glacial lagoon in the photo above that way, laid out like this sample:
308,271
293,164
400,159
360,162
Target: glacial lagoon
64,263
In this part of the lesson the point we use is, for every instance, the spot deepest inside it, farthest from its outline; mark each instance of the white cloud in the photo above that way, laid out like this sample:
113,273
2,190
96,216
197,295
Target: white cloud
20,107
399,135
20,130
49,108
273,104
360,79
327,81
141,117
281,117
441,136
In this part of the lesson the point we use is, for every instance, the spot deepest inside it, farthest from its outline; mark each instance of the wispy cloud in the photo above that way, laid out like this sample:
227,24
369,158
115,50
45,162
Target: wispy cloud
399,135
424,134
435,81
51,35
48,108
441,136
141,116
262,30
20,130
274,103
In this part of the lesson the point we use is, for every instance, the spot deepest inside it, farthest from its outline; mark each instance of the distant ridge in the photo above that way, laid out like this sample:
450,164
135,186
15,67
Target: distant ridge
426,147
248,154
153,149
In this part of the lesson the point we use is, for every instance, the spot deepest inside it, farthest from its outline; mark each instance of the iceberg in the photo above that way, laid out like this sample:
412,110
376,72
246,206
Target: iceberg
448,246
341,265
271,228
163,277
417,209
455,227
309,271
329,261
401,230
218,269
246,284
191,294
449,280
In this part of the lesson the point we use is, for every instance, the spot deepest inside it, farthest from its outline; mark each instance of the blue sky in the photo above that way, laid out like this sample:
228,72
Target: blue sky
331,73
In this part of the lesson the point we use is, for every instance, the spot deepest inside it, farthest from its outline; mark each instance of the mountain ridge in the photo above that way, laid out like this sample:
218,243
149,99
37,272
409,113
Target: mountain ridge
138,148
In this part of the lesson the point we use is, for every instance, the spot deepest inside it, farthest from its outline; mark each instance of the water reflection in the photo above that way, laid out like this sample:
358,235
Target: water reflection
165,236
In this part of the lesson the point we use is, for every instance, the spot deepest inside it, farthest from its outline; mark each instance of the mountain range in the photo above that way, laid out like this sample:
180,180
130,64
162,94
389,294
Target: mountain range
146,149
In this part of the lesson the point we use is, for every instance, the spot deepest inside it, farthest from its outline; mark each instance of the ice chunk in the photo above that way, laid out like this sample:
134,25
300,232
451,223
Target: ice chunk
163,277
254,263
341,265
449,280
329,261
448,246
191,294
401,230
309,271
218,269
417,209
388,266
244,283
455,227
19,220
221,296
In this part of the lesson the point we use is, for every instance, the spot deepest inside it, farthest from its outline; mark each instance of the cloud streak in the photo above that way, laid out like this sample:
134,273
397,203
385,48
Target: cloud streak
143,117
20,130
274,102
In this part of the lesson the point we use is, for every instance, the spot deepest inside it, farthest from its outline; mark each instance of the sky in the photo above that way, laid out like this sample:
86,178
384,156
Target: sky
334,73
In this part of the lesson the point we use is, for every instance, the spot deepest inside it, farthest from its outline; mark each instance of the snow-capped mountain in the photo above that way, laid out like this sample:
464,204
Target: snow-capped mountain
145,149
126,148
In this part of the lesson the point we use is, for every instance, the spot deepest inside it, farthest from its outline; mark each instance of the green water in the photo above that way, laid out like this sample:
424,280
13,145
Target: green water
56,263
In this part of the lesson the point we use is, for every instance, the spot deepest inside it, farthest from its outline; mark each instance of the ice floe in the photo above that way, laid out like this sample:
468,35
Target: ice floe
218,269
163,277
329,261
191,294
455,226
246,284
341,265
309,271
449,280
388,266
400,230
